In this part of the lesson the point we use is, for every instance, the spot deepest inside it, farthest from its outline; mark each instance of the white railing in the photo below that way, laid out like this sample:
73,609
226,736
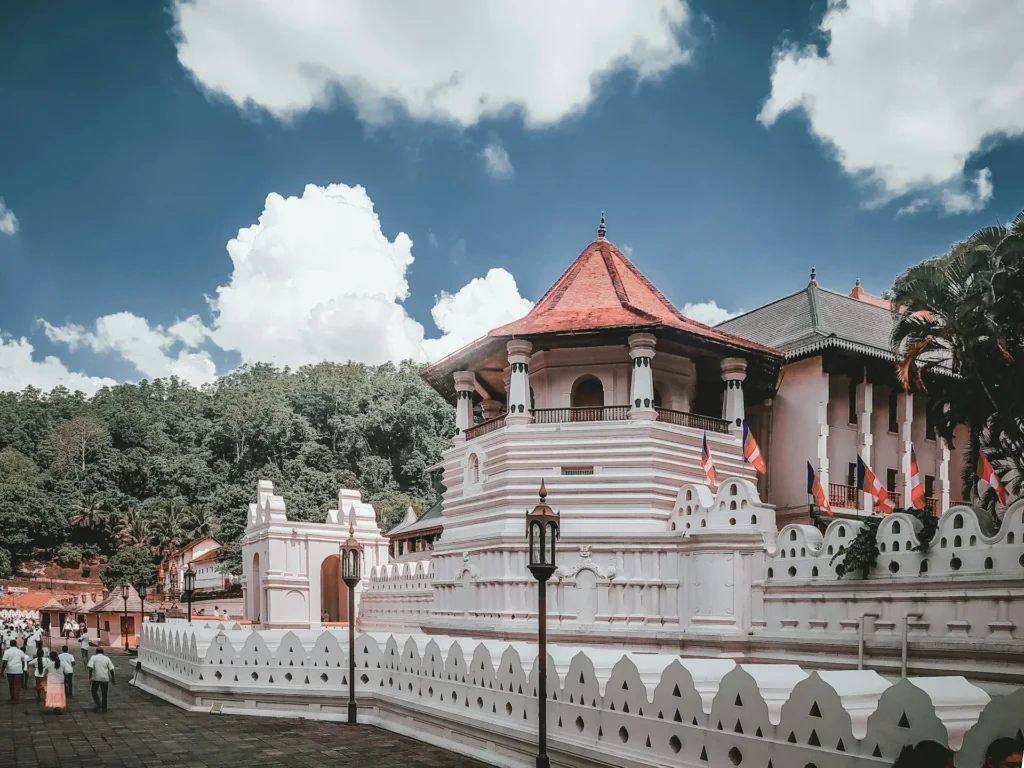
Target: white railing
606,706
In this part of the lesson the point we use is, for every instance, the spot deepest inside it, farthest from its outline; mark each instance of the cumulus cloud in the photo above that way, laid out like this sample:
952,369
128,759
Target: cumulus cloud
480,305
8,221
18,370
708,312
453,61
314,279
497,163
147,348
906,92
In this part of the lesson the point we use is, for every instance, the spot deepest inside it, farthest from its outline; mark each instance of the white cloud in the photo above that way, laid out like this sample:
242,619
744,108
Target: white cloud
497,162
451,61
907,91
479,306
314,279
18,370
8,221
148,349
708,312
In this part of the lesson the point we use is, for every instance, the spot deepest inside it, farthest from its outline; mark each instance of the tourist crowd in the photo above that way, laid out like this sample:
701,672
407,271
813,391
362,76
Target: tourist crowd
50,673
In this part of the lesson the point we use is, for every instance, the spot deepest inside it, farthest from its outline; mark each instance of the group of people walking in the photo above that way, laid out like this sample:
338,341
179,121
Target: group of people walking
50,673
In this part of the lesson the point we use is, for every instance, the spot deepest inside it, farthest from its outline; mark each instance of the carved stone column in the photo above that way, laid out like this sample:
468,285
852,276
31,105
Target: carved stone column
905,416
465,382
734,373
641,391
519,384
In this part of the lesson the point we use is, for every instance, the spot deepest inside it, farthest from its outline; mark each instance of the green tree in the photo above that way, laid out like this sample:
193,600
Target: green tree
6,571
134,529
963,313
132,565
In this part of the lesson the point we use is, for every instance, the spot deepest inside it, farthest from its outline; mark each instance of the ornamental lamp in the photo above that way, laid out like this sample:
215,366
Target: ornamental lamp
542,529
124,591
190,580
351,553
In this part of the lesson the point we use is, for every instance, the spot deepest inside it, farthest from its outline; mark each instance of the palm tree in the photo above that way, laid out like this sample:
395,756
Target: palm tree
199,521
169,525
964,312
89,512
134,530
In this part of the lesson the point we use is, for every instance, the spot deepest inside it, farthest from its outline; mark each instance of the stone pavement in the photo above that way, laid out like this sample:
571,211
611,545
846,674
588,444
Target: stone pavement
141,730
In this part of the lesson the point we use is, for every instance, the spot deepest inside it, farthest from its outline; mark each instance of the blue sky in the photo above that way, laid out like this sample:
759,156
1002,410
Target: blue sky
137,139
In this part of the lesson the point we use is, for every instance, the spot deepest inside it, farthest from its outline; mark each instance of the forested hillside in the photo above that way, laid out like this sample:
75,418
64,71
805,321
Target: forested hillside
156,463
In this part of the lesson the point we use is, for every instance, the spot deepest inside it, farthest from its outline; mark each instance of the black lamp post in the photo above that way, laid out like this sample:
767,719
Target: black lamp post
542,531
127,638
190,588
351,556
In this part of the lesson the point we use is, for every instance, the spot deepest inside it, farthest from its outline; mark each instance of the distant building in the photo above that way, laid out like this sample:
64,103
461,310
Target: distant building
839,397
415,535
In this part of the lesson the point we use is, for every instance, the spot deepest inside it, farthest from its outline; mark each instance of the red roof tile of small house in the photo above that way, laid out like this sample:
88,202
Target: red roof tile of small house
602,289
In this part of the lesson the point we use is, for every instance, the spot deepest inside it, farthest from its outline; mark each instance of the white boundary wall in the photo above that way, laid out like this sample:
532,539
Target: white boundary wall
631,709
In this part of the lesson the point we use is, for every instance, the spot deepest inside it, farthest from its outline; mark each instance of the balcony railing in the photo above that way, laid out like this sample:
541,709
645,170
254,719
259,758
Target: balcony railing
843,496
587,413
485,427
694,420
604,413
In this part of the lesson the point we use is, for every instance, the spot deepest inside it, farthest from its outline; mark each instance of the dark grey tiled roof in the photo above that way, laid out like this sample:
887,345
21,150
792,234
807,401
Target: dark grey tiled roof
432,518
816,318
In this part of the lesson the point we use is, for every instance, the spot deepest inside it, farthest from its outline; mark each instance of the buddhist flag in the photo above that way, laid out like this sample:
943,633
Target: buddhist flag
868,483
987,474
815,490
916,485
752,452
707,463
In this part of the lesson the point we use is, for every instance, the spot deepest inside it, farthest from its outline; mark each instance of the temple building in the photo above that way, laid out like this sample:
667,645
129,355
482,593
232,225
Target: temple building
686,624
838,397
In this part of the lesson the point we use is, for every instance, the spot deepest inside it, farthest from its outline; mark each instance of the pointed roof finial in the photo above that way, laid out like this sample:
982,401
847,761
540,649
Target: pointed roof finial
856,283
543,491
814,276
352,520
600,227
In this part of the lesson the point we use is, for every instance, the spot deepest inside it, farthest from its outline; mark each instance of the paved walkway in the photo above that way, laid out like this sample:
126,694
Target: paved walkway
141,730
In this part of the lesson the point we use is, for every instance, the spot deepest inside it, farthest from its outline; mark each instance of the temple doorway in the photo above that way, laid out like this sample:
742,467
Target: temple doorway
333,592
588,394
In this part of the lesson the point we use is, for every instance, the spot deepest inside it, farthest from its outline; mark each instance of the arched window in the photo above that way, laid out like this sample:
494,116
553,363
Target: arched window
474,469
588,394
657,398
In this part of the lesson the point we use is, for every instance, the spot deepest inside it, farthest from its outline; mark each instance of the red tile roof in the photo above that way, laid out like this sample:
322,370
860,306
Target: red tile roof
602,289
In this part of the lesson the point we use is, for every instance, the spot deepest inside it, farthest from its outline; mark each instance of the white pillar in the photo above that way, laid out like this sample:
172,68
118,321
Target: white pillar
641,390
465,382
734,372
865,405
942,474
905,415
822,437
519,384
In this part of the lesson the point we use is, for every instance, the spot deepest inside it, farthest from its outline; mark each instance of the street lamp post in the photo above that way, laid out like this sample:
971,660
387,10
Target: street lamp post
542,528
190,588
127,639
351,555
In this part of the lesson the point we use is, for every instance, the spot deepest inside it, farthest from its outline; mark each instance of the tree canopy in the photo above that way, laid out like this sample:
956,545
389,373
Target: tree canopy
154,464
964,312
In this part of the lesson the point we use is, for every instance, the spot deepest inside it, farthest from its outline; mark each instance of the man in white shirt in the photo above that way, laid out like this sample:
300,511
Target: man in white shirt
67,665
14,664
101,674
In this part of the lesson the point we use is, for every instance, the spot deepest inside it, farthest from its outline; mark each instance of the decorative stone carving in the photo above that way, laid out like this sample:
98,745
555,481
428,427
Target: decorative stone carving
585,562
